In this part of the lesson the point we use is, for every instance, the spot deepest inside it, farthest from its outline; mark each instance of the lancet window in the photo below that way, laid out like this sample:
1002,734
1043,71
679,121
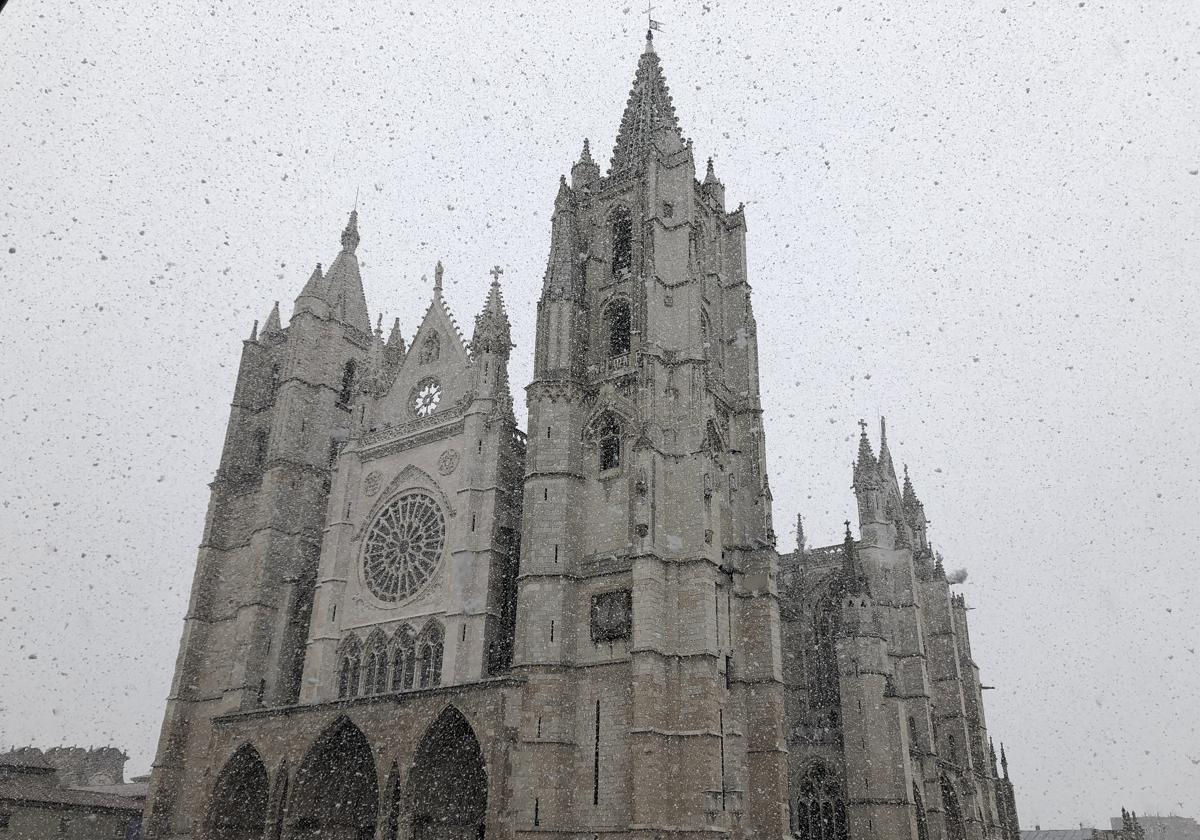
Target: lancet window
349,668
820,808
429,655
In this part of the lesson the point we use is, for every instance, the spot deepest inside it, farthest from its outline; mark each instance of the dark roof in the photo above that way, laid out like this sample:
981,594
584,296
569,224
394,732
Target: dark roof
1058,834
26,758
13,790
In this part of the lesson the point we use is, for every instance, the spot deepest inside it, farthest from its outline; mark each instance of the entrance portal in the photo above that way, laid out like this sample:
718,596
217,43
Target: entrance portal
337,796
239,804
447,786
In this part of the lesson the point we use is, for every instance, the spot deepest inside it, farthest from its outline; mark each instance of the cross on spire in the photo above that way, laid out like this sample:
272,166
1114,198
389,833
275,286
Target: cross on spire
496,272
862,424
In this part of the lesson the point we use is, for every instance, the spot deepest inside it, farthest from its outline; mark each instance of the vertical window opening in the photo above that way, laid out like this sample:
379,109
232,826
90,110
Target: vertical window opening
596,761
552,630
622,242
721,719
347,392
617,326
608,439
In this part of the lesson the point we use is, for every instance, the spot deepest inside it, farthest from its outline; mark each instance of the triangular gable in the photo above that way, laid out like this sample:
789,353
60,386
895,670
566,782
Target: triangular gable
437,354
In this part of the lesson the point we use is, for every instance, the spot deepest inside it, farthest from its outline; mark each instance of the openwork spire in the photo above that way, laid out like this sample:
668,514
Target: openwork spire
648,110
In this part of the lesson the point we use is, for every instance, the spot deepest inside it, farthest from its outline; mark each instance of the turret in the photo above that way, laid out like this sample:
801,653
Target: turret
867,484
713,189
585,170
490,346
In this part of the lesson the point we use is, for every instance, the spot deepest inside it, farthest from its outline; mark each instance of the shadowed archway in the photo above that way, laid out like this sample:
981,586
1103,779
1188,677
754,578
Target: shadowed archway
239,805
447,787
336,793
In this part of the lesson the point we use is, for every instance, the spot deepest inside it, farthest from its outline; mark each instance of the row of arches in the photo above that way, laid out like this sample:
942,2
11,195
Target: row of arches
400,662
336,794
819,810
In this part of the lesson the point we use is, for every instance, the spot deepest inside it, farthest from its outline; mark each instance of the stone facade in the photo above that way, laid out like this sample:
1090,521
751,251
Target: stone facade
409,620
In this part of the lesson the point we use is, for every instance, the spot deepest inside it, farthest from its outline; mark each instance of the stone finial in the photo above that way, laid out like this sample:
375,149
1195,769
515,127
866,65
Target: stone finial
350,234
254,331
437,277
799,533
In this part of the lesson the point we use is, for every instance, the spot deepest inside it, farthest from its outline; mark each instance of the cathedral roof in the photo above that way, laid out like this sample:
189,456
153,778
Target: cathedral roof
648,110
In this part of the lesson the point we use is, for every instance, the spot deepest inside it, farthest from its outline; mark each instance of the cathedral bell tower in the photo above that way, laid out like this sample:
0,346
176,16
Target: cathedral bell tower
253,586
647,624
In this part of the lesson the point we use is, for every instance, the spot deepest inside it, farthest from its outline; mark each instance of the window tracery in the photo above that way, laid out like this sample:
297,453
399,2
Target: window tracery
429,655
349,668
404,547
820,811
375,660
404,653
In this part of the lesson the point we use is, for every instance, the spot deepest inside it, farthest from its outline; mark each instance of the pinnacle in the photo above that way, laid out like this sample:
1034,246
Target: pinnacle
350,234
272,323
586,155
437,277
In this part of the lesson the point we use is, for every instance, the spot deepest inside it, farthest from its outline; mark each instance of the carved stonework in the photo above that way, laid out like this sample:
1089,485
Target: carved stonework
448,462
372,483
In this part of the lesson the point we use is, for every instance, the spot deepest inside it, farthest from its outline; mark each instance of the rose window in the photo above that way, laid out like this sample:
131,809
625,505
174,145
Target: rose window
426,397
404,547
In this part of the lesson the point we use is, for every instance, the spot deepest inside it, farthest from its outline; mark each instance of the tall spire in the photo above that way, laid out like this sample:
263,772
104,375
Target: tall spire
648,110
1003,760
885,455
339,293
799,533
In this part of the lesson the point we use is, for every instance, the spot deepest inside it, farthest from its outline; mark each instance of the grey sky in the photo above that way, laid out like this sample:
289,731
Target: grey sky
978,218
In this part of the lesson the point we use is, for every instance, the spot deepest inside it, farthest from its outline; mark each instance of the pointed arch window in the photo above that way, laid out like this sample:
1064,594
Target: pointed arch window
621,228
348,374
349,668
404,656
820,812
710,344
617,325
429,655
605,432
823,676
375,660
431,349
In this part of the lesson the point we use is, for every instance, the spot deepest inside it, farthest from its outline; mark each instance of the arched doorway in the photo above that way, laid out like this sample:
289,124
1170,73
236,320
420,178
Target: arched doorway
239,804
955,828
336,793
447,786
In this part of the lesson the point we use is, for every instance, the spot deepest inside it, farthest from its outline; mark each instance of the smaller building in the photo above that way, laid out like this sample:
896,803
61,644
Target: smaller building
1163,828
35,804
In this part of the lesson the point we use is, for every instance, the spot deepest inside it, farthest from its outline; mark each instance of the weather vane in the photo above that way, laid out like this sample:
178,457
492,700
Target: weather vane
650,21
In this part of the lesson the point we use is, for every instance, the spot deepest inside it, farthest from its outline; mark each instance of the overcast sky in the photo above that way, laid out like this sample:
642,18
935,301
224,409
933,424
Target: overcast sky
977,218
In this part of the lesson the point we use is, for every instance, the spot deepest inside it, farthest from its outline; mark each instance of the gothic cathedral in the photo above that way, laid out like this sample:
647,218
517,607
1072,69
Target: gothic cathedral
410,619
